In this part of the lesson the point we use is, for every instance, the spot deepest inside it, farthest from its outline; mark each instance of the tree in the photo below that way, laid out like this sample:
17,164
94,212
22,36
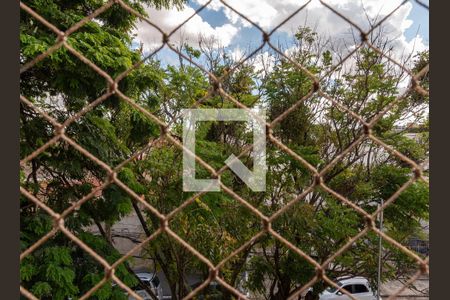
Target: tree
208,223
214,223
319,131
62,85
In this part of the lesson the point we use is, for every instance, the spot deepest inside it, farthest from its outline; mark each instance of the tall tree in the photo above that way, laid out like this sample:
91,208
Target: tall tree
214,223
62,85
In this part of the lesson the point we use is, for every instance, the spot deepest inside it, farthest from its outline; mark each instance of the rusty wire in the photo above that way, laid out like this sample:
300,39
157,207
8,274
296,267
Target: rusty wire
111,178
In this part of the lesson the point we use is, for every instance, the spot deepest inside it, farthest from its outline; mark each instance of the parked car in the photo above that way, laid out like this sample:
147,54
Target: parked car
152,281
359,287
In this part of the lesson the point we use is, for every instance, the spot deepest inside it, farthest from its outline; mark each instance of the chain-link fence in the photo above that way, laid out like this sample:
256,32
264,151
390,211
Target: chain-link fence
217,89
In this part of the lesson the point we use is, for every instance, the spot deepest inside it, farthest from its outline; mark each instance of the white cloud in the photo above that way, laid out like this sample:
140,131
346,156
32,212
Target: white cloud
415,45
190,32
268,14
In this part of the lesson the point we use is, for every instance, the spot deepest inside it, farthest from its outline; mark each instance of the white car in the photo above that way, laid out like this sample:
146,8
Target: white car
358,287
152,281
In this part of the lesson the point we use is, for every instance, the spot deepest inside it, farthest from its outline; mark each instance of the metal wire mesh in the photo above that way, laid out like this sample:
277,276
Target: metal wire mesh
113,89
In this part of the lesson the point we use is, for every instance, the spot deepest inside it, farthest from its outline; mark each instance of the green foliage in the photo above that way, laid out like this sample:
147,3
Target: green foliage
62,85
214,223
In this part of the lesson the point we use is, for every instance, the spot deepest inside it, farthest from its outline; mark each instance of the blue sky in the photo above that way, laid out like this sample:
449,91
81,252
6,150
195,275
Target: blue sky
408,26
420,17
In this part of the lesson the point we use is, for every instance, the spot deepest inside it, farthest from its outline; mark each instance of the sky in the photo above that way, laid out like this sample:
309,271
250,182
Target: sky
408,26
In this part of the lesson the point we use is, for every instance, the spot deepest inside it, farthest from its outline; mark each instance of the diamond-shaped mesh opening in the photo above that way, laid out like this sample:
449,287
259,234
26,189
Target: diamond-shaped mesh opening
303,223
78,179
291,182
72,127
210,224
127,133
